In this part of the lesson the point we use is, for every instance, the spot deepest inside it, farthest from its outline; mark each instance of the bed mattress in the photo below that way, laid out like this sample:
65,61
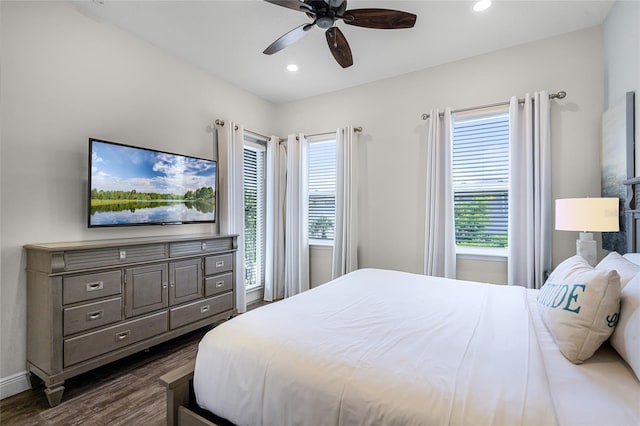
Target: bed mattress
379,347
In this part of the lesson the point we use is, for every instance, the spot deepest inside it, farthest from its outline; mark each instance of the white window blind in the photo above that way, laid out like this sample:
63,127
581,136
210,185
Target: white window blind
254,214
322,189
481,180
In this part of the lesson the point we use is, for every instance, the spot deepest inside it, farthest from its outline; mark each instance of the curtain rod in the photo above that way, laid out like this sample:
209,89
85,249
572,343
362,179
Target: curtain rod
256,135
356,129
560,95
219,122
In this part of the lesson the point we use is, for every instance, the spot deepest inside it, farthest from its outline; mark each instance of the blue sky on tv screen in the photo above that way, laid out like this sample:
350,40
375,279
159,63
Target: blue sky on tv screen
124,168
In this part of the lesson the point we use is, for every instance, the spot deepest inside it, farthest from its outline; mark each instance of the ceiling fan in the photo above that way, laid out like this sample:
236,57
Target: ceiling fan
325,13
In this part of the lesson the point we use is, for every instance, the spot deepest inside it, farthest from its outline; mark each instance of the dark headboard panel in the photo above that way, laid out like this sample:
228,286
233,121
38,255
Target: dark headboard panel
632,214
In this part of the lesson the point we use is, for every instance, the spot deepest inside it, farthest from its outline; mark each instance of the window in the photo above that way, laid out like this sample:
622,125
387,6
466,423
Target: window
481,180
254,213
322,189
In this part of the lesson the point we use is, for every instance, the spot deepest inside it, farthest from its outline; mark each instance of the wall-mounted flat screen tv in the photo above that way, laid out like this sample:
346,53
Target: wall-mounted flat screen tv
129,185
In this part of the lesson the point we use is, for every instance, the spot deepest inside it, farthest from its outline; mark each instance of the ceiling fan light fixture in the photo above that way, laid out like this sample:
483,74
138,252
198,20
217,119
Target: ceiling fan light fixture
482,5
325,22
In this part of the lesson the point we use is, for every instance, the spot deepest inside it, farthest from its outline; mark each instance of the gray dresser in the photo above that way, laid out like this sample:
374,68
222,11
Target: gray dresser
93,302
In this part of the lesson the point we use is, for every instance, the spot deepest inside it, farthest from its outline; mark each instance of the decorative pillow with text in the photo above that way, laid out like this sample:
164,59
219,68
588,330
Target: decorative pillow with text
580,306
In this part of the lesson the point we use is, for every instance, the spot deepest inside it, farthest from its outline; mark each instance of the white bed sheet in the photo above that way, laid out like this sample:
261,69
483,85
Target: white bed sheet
601,391
392,348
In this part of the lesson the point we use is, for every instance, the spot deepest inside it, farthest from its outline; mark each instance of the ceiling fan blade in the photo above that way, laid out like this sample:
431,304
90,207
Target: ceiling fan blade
292,4
384,19
339,47
287,39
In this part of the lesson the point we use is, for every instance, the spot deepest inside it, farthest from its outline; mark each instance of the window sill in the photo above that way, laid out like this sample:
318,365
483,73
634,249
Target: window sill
255,288
321,243
482,253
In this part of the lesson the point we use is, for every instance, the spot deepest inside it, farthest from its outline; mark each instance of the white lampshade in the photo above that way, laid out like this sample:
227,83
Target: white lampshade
587,214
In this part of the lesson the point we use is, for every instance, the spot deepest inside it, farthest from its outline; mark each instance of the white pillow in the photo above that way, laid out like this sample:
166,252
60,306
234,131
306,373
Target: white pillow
626,337
632,257
625,268
580,306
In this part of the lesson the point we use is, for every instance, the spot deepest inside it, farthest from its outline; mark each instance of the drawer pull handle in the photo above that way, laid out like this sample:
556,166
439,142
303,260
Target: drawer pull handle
204,309
122,336
92,316
98,285
219,263
219,284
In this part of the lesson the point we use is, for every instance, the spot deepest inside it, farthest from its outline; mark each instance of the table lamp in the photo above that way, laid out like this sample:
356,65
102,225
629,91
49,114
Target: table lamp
587,215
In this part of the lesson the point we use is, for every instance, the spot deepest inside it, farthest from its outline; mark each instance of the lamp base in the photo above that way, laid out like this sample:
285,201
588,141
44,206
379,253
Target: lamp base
587,248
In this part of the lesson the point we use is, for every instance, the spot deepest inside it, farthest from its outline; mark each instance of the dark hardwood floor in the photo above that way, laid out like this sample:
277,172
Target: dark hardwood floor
125,392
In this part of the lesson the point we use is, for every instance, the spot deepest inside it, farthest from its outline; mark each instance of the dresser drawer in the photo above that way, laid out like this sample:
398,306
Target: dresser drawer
91,286
93,344
92,315
186,248
218,284
96,258
218,264
192,312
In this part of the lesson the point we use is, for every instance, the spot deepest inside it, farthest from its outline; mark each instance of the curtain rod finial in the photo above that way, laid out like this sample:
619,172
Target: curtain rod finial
357,129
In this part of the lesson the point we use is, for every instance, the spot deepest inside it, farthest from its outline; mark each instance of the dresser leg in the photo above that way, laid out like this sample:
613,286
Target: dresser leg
54,393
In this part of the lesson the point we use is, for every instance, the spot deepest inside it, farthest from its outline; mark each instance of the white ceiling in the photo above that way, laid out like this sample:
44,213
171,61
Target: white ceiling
226,38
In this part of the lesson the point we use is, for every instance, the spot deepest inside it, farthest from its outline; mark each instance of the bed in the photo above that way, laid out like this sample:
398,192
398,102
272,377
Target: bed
379,347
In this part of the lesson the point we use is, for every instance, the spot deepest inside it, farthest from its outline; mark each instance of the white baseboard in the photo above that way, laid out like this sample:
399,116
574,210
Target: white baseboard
14,384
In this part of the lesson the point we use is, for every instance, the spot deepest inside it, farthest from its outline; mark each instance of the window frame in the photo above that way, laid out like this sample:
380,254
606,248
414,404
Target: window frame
482,252
319,138
258,146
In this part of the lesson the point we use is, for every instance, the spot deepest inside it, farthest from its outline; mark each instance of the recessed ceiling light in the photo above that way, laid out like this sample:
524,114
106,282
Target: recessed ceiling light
482,5
292,68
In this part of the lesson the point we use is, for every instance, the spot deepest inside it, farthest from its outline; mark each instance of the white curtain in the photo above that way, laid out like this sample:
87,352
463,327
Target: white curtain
529,190
439,235
231,197
276,181
296,267
345,243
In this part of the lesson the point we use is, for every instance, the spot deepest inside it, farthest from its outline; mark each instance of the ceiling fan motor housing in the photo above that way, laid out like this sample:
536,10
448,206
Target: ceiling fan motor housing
334,3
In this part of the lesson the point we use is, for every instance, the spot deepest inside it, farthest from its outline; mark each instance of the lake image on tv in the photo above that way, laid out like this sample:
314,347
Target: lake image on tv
132,186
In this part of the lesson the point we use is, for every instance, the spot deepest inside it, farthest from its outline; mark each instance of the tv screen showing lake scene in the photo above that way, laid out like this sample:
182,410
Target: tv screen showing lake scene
137,186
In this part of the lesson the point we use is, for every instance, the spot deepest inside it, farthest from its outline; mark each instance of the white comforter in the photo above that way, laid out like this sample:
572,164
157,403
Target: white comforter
380,348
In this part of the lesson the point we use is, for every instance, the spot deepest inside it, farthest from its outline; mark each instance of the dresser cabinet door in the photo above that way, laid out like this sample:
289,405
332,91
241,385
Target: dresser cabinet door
146,289
185,281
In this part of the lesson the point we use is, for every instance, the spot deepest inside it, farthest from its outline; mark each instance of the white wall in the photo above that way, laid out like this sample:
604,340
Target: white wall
621,33
392,146
65,78
320,266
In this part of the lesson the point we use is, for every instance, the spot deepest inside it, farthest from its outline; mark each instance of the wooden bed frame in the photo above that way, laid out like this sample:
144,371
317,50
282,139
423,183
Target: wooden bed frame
181,406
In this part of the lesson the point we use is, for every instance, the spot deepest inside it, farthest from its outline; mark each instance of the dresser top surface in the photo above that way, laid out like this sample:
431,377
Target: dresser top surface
91,244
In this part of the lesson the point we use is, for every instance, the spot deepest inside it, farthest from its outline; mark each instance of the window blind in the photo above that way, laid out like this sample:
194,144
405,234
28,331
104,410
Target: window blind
481,181
254,214
322,189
